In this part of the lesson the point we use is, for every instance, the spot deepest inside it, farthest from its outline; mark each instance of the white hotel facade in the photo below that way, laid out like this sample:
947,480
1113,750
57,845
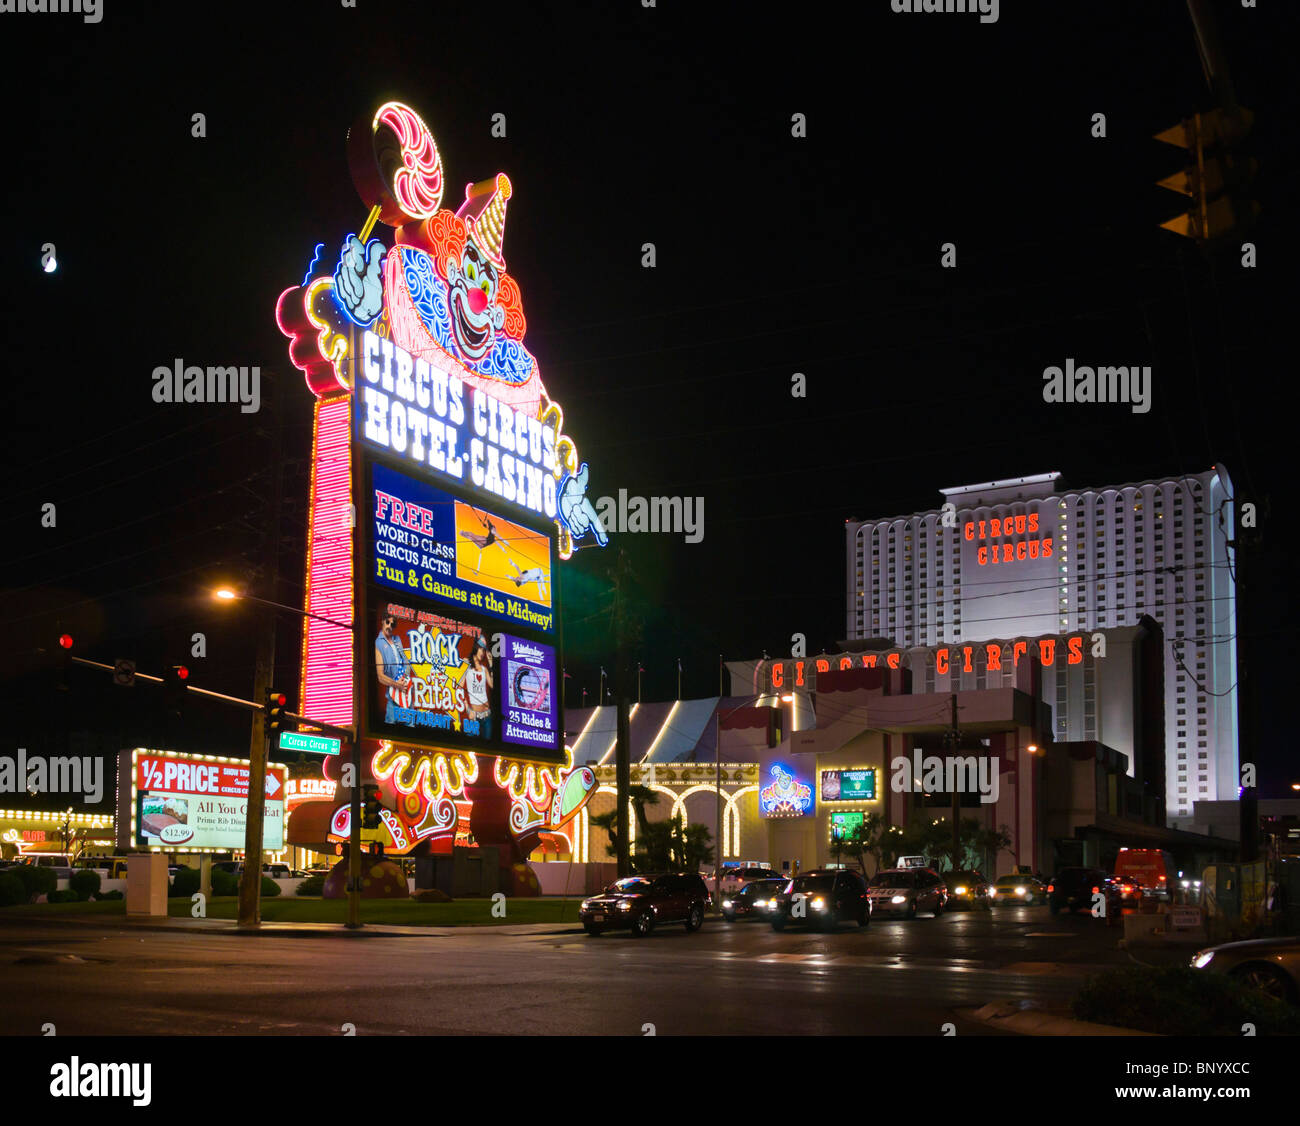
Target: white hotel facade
1026,557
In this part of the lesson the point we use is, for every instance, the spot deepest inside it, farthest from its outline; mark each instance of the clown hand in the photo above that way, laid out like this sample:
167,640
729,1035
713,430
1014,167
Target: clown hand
578,512
358,279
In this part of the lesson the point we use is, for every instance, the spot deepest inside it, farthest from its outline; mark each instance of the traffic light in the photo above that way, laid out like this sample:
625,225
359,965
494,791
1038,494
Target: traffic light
175,686
65,659
1218,176
275,702
370,807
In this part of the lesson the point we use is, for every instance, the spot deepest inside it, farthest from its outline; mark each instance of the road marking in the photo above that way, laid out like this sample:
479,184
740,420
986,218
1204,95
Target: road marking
789,957
1049,934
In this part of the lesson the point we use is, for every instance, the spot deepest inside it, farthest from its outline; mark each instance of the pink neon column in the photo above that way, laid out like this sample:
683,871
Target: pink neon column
326,690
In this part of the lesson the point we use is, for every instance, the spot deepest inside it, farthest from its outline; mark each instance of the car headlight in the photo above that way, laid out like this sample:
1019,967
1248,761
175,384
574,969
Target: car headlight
898,899
1196,883
961,891
819,904
1203,959
1020,891
726,903
1187,883
586,904
624,905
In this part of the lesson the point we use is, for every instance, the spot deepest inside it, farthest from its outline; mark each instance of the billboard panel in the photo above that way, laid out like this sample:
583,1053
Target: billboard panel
434,544
444,679
194,803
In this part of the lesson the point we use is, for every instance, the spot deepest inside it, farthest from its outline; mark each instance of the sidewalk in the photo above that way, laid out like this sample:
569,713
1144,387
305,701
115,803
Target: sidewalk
1022,1017
305,930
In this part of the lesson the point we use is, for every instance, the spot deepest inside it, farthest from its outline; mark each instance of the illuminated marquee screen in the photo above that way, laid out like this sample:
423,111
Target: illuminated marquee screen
848,785
843,824
433,677
193,802
435,544
422,416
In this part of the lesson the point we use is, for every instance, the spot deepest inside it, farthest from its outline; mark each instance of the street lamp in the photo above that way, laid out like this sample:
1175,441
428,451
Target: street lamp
225,594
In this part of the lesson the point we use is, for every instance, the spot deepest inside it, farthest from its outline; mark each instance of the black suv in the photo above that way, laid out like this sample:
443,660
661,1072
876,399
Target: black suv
643,902
1073,889
825,898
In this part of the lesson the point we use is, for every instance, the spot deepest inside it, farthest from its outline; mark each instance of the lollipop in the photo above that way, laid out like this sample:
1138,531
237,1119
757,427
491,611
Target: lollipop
395,166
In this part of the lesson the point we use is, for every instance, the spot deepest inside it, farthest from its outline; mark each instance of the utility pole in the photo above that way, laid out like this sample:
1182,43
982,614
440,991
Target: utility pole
1243,546
953,737
623,742
250,883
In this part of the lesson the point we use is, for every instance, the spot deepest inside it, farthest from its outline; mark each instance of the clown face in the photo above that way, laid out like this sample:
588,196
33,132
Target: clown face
471,298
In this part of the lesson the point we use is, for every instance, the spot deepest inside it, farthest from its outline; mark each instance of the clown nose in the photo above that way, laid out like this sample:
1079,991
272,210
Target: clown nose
477,301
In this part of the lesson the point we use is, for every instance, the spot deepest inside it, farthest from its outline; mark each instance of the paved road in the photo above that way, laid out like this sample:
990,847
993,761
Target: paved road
895,977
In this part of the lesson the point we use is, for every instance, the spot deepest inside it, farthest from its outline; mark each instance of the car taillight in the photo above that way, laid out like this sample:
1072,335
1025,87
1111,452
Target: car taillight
1051,887
1095,890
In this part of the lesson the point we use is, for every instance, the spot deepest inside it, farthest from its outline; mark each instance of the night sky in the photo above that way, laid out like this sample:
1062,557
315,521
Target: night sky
775,255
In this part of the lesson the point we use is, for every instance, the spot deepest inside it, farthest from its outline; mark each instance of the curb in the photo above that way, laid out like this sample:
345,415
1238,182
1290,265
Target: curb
1011,1016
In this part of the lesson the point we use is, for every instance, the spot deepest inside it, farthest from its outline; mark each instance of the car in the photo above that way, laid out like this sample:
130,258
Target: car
752,901
1152,868
821,897
1270,965
1129,892
642,903
110,867
234,867
733,879
1015,889
908,891
277,871
1073,889
62,865
968,888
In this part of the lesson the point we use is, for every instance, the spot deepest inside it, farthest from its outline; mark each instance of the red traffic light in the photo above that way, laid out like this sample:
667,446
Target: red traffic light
65,641
279,699
182,673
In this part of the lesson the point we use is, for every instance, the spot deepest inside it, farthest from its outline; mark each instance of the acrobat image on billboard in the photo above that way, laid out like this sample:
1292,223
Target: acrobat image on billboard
434,544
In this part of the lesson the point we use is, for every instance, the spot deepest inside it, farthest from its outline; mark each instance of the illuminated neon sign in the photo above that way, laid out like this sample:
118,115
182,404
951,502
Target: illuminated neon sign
1004,528
848,785
427,335
785,795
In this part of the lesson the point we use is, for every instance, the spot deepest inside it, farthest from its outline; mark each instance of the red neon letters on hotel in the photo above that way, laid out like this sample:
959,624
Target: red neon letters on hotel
999,528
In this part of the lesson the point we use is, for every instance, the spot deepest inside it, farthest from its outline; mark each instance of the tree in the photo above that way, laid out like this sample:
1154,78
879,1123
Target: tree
673,846
640,797
874,838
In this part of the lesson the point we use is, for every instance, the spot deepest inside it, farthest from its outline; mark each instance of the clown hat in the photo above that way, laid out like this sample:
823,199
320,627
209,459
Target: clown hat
484,212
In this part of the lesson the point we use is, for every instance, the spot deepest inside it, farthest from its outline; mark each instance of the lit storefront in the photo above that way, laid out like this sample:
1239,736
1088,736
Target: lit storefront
32,832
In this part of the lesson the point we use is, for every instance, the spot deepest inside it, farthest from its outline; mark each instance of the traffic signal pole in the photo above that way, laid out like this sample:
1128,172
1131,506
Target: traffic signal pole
250,883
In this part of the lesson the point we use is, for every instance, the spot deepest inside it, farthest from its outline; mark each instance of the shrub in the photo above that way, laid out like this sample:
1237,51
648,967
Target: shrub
185,883
223,883
269,886
114,894
37,881
432,895
1180,1001
63,895
12,891
84,883
312,885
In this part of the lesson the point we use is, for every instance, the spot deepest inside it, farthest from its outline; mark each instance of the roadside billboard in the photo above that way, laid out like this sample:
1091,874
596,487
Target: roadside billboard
198,803
446,679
